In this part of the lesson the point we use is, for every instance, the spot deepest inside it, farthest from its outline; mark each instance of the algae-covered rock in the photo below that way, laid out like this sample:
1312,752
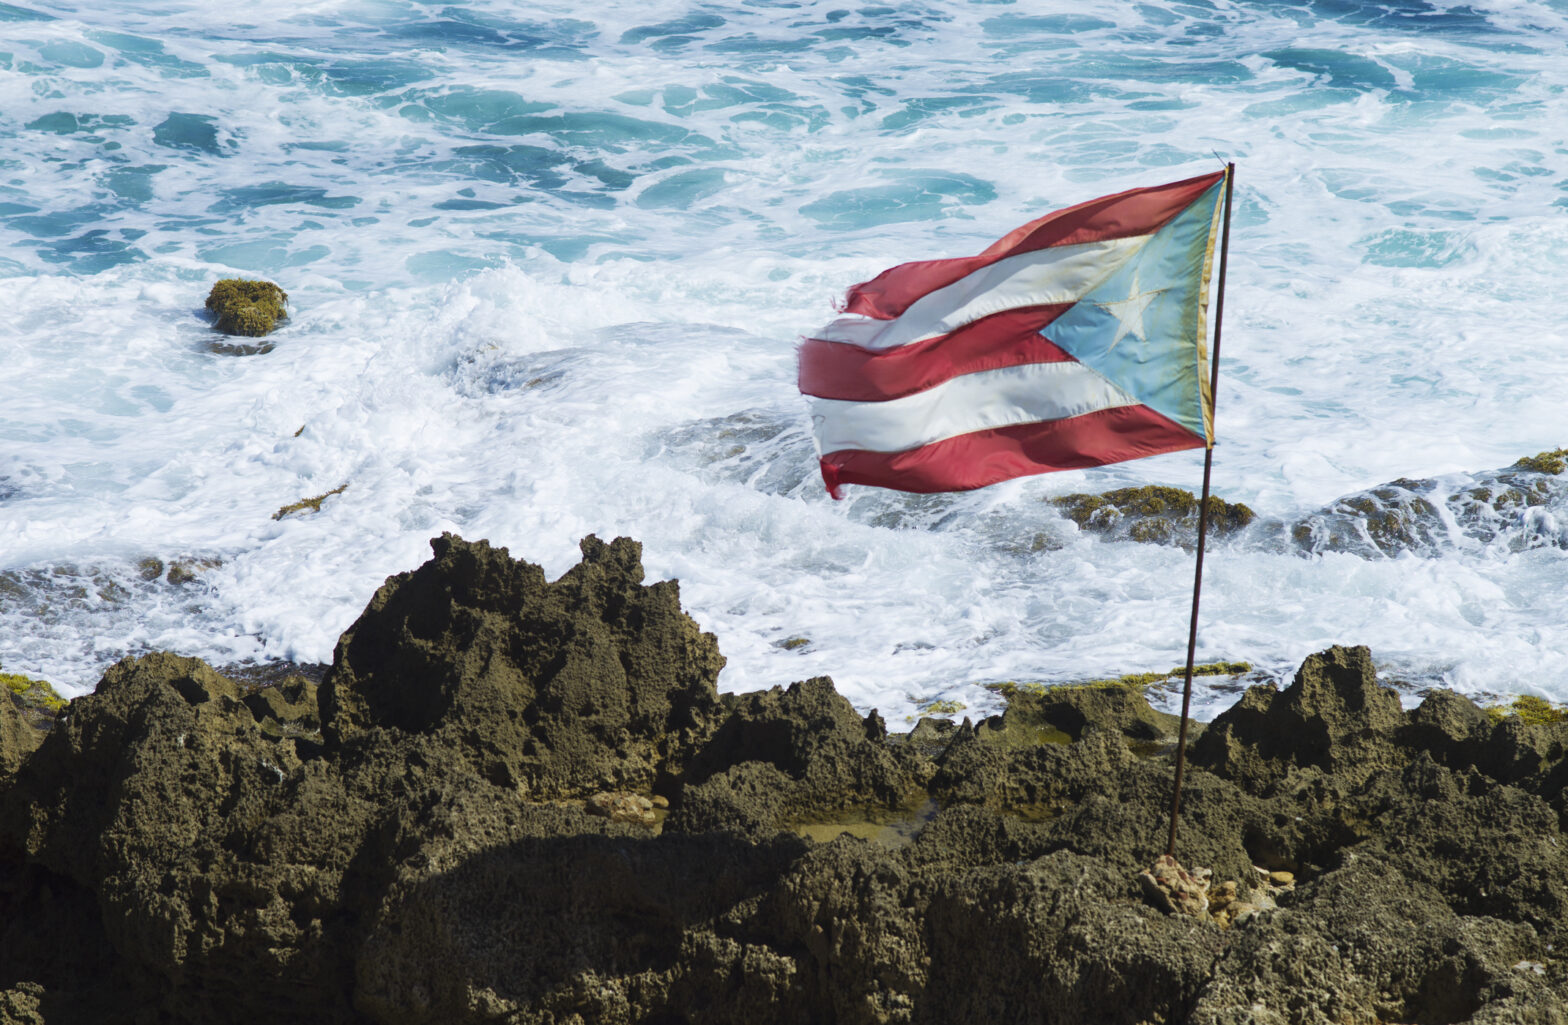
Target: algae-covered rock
1152,514
312,504
831,756
246,307
1554,461
1529,708
28,707
31,693
18,736
560,689
1035,714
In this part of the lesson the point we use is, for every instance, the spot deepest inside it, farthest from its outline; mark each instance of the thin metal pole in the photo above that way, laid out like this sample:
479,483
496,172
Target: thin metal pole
1203,517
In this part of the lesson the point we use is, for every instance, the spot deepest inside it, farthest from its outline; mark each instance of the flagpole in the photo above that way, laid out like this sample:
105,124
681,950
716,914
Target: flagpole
1203,516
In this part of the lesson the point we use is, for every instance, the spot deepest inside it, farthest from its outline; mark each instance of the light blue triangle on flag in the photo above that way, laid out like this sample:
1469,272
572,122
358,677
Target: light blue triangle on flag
1142,328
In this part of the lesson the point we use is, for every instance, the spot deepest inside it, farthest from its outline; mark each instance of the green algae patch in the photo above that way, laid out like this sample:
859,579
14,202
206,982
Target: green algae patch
1152,514
1134,680
313,504
33,693
247,307
1038,715
1021,731
792,643
937,708
894,827
1528,708
1545,462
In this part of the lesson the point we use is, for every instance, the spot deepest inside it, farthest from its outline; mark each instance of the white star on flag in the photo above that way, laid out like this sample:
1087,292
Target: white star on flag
1129,312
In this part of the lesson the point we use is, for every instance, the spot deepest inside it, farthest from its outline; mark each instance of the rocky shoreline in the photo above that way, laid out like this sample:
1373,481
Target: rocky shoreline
518,800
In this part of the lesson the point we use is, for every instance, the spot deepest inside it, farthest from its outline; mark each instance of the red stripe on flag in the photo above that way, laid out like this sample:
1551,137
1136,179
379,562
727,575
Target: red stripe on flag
985,457
836,370
1134,212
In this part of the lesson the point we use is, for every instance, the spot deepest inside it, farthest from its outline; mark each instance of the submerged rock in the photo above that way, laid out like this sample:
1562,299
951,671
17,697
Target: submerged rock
454,828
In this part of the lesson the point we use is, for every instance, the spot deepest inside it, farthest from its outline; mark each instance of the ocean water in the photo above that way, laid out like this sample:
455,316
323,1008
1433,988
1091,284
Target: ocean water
548,265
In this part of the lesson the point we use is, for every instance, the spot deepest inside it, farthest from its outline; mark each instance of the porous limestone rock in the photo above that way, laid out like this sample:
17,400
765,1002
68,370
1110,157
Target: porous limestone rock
419,849
556,689
1334,715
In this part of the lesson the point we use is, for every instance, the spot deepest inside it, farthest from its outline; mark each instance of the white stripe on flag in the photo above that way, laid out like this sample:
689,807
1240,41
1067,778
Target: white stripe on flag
1060,274
973,402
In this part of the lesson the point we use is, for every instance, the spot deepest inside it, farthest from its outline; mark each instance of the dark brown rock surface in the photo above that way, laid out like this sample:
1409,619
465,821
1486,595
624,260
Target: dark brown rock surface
425,840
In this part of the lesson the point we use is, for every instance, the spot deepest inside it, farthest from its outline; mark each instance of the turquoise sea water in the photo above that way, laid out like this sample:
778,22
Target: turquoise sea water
548,265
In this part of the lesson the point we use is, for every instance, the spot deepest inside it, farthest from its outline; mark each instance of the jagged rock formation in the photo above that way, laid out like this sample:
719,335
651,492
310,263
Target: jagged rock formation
422,840
549,689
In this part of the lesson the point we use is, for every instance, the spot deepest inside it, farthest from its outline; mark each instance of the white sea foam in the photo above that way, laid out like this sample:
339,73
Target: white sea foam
548,267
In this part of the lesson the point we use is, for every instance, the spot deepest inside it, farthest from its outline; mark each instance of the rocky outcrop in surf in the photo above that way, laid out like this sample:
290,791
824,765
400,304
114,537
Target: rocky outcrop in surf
1514,509
242,306
466,823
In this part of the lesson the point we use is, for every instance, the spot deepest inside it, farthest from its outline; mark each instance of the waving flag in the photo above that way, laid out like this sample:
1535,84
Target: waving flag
1077,340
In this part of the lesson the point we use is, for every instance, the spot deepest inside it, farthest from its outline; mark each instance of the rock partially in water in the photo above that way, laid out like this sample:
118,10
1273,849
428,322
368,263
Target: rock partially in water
1380,521
767,450
1152,514
1553,462
1510,507
243,306
1517,508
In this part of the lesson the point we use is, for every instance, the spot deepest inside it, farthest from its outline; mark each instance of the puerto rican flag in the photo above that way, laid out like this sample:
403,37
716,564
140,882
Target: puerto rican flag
1077,340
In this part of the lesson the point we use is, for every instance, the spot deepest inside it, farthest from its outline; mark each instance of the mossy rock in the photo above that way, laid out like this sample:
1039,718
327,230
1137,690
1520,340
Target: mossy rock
1141,680
938,707
310,504
1152,514
1545,462
1130,681
33,694
1528,708
247,307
